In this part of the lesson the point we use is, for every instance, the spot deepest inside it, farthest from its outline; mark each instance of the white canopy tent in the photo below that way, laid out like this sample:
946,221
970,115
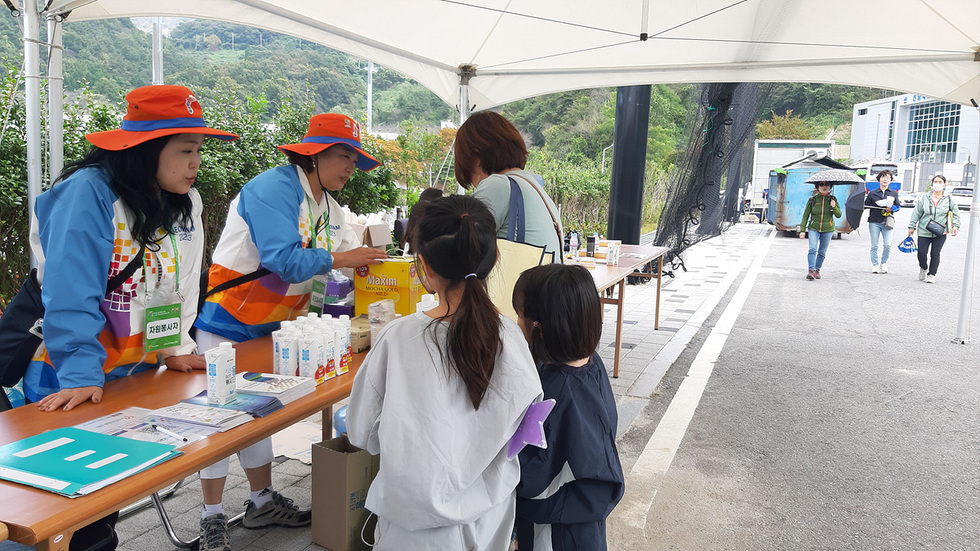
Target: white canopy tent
479,54
523,48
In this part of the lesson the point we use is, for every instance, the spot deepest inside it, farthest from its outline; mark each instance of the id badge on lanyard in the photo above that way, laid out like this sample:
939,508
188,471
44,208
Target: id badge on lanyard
318,294
161,326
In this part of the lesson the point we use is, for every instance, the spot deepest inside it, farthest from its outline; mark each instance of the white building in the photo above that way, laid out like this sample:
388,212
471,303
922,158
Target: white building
912,128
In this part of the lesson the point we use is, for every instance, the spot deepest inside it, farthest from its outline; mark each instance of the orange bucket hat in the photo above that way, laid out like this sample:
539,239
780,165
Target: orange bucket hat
156,111
330,129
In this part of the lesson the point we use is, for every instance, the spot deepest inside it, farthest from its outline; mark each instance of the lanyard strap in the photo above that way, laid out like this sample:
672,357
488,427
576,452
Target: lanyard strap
315,228
173,242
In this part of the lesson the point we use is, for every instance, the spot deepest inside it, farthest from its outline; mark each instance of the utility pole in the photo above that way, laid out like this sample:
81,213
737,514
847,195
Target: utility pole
370,96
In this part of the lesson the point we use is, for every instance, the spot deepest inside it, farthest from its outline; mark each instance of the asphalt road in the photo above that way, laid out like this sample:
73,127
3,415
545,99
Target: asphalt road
838,415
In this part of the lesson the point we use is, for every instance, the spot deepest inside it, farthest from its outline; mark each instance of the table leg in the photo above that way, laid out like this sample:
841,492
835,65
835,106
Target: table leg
660,272
326,419
3,532
619,326
57,542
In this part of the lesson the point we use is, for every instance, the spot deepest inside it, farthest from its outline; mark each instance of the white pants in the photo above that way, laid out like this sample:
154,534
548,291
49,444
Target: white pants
256,455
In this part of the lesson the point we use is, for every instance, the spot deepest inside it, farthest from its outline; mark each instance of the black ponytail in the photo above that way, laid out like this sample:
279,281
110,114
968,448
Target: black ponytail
457,238
133,177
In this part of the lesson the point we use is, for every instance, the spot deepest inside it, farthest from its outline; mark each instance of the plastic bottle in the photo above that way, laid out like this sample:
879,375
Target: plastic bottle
573,245
428,302
340,421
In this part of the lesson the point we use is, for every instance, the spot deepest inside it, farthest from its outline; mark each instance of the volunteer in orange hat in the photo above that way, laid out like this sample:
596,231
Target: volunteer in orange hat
128,206
283,229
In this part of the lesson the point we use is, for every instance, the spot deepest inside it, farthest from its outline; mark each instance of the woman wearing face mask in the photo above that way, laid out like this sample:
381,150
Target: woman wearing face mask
929,207
818,224
881,200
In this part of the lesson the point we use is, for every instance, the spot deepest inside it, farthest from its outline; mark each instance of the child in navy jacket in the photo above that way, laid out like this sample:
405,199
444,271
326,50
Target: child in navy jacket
569,488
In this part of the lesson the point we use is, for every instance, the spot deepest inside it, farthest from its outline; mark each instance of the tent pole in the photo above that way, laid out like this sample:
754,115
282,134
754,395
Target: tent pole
56,98
966,294
32,93
630,130
466,72
157,53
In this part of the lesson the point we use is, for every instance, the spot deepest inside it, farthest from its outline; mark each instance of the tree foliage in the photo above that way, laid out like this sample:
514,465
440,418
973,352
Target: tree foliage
784,127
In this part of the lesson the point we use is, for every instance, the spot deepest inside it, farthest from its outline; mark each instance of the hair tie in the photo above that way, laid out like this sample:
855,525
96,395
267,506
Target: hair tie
469,276
461,216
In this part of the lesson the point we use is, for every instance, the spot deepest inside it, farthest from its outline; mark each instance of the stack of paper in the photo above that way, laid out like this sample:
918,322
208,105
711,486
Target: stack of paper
141,424
73,462
284,387
211,416
257,405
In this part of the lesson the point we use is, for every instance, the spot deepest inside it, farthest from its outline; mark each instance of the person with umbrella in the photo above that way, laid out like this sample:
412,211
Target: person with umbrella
818,218
882,203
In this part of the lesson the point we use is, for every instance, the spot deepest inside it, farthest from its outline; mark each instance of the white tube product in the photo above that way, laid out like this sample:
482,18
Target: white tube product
345,344
221,374
289,353
327,338
311,356
277,338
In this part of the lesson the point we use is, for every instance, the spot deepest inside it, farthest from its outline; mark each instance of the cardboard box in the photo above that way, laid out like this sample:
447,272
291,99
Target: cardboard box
337,309
360,334
342,475
373,235
327,292
395,278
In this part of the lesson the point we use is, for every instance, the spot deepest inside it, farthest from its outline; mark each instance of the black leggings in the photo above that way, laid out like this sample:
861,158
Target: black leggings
925,262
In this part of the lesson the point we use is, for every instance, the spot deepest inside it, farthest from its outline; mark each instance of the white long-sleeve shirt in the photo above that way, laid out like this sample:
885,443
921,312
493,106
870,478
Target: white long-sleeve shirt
443,463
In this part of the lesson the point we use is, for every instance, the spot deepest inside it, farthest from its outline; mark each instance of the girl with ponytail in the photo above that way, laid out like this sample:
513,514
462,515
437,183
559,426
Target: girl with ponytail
441,393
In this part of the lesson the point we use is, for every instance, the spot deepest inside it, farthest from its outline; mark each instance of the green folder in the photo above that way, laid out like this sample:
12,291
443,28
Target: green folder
74,462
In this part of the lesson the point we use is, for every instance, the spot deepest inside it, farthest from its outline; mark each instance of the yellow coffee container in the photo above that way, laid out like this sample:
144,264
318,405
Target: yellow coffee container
395,278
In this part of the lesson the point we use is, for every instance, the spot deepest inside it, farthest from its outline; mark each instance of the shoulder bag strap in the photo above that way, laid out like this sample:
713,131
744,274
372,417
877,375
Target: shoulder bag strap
240,280
128,271
515,216
554,219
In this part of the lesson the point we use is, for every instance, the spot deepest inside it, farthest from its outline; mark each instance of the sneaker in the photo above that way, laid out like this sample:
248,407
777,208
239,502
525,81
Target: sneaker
884,268
930,278
816,274
278,512
922,274
874,269
214,534
809,274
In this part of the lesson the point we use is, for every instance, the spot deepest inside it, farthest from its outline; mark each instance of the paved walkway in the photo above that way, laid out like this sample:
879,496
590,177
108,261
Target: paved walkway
687,301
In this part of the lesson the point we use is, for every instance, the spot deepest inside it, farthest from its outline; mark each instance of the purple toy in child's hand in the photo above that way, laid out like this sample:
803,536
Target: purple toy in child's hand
531,429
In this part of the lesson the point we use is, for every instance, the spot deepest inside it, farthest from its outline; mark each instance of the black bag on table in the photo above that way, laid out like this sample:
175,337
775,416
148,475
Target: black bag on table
20,325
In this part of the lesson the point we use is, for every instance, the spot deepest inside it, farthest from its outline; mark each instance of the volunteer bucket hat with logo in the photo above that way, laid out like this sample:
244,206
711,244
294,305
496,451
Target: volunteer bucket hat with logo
156,111
330,129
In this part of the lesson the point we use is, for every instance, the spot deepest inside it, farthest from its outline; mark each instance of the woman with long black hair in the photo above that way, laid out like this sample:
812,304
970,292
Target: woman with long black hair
441,393
128,206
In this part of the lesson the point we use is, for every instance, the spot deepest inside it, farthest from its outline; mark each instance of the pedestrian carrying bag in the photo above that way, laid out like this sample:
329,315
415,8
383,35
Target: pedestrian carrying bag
20,325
